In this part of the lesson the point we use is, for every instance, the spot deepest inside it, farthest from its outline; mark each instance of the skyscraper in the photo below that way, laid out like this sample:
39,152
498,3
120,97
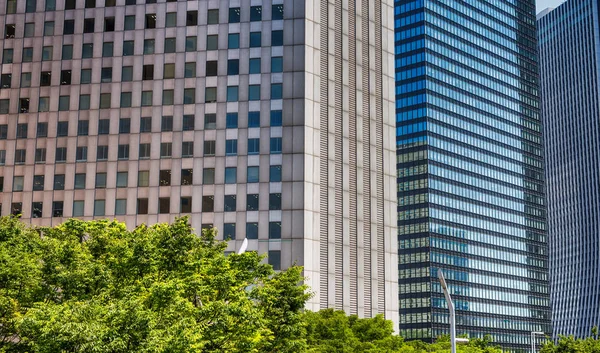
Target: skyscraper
470,170
568,47
269,119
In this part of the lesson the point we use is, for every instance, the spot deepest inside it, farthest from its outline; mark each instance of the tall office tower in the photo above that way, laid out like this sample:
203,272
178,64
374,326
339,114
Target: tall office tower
470,170
227,111
568,47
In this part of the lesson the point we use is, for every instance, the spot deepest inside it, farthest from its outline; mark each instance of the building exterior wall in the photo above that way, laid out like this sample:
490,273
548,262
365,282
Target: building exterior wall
568,47
309,131
470,170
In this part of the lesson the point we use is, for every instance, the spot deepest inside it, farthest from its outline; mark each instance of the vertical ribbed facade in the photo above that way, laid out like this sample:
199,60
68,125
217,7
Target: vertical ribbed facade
470,170
569,46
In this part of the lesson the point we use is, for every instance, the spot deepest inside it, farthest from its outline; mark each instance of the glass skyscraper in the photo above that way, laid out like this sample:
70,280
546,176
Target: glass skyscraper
568,47
470,170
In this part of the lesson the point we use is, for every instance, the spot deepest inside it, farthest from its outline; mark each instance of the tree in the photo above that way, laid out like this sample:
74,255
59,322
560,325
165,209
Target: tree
97,287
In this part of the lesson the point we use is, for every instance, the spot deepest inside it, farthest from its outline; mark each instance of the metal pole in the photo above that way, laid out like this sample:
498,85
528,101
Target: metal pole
451,309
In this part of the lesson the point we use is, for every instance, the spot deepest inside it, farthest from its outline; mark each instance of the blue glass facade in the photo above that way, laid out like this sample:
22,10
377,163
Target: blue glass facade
569,47
470,170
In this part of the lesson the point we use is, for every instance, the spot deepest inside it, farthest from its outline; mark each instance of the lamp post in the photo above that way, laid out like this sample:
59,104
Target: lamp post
533,334
451,309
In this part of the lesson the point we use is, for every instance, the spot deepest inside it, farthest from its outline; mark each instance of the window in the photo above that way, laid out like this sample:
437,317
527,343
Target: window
148,72
50,5
146,98
187,149
88,25
123,152
24,105
190,70
86,75
59,182
254,92
78,208
129,23
234,15
65,77
143,178
170,45
213,16
79,181
102,153
253,146
69,27
38,182
233,67
229,203
67,52
16,208
29,30
231,121
128,47
120,207
274,202
231,147
171,19
212,42
232,93
188,122
126,100
275,259
45,78
190,43
254,66
187,176
130,2
122,179
208,203
191,18
5,80
210,121
149,46
256,13
83,127
150,21
275,173
60,154
145,124
277,64
209,148
252,202
11,6
57,208
277,12
62,128
20,156
27,55
144,151
18,182
30,5
42,130
87,50
166,123
252,230
164,204
276,91
142,206
2,159
229,231
211,68
276,118
84,102
253,119
169,71
208,176
7,56
81,154
90,4
186,205
230,175
164,177
109,24
103,126
22,131
166,149
104,100
127,73
255,39
25,79
124,125
253,173
3,131
233,41
211,95
189,96
49,28
276,38
107,49
47,53
100,180
99,206
168,97
275,145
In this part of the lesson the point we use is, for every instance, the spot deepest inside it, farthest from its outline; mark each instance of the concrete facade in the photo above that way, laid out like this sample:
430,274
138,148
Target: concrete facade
230,112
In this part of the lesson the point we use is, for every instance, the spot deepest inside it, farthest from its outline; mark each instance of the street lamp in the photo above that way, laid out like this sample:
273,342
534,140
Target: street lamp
451,309
533,339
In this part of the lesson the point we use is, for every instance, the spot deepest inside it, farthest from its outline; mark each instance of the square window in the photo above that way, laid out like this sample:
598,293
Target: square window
61,154
11,6
144,150
275,259
78,208
103,126
42,130
44,104
210,95
256,13
276,118
145,124
62,128
143,178
230,147
188,122
189,96
30,5
7,56
27,55
2,162
169,71
253,146
164,177
3,132
18,182
276,91
276,38
38,182
104,100
232,93
47,53
229,231
29,30
87,50
122,179
252,230
191,18
127,73
124,125
229,203
65,77
5,80
168,97
36,210
150,21
90,4
20,156
110,3
123,152
148,72
231,121
99,206
69,27
233,41
254,92
149,46
277,64
86,75
253,173
81,154
25,79
254,66
88,25
187,149
277,12
171,19
129,23
170,45
102,153
128,47
211,68
255,39
253,119
120,207
275,173
166,123
67,52
274,202
275,145
208,203
16,208
234,15
186,205
213,16
210,121
59,182
187,176
146,98
45,78
190,70
109,24
83,127
209,148
24,105
49,28
208,176
190,43
233,67
22,131
100,180
212,42
166,150
231,175
142,206
126,99
107,49
57,208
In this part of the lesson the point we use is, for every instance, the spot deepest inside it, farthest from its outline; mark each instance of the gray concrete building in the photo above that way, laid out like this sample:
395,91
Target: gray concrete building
272,120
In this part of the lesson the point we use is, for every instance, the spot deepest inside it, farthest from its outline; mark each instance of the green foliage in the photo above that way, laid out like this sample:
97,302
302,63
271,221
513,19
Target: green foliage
97,287
569,344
